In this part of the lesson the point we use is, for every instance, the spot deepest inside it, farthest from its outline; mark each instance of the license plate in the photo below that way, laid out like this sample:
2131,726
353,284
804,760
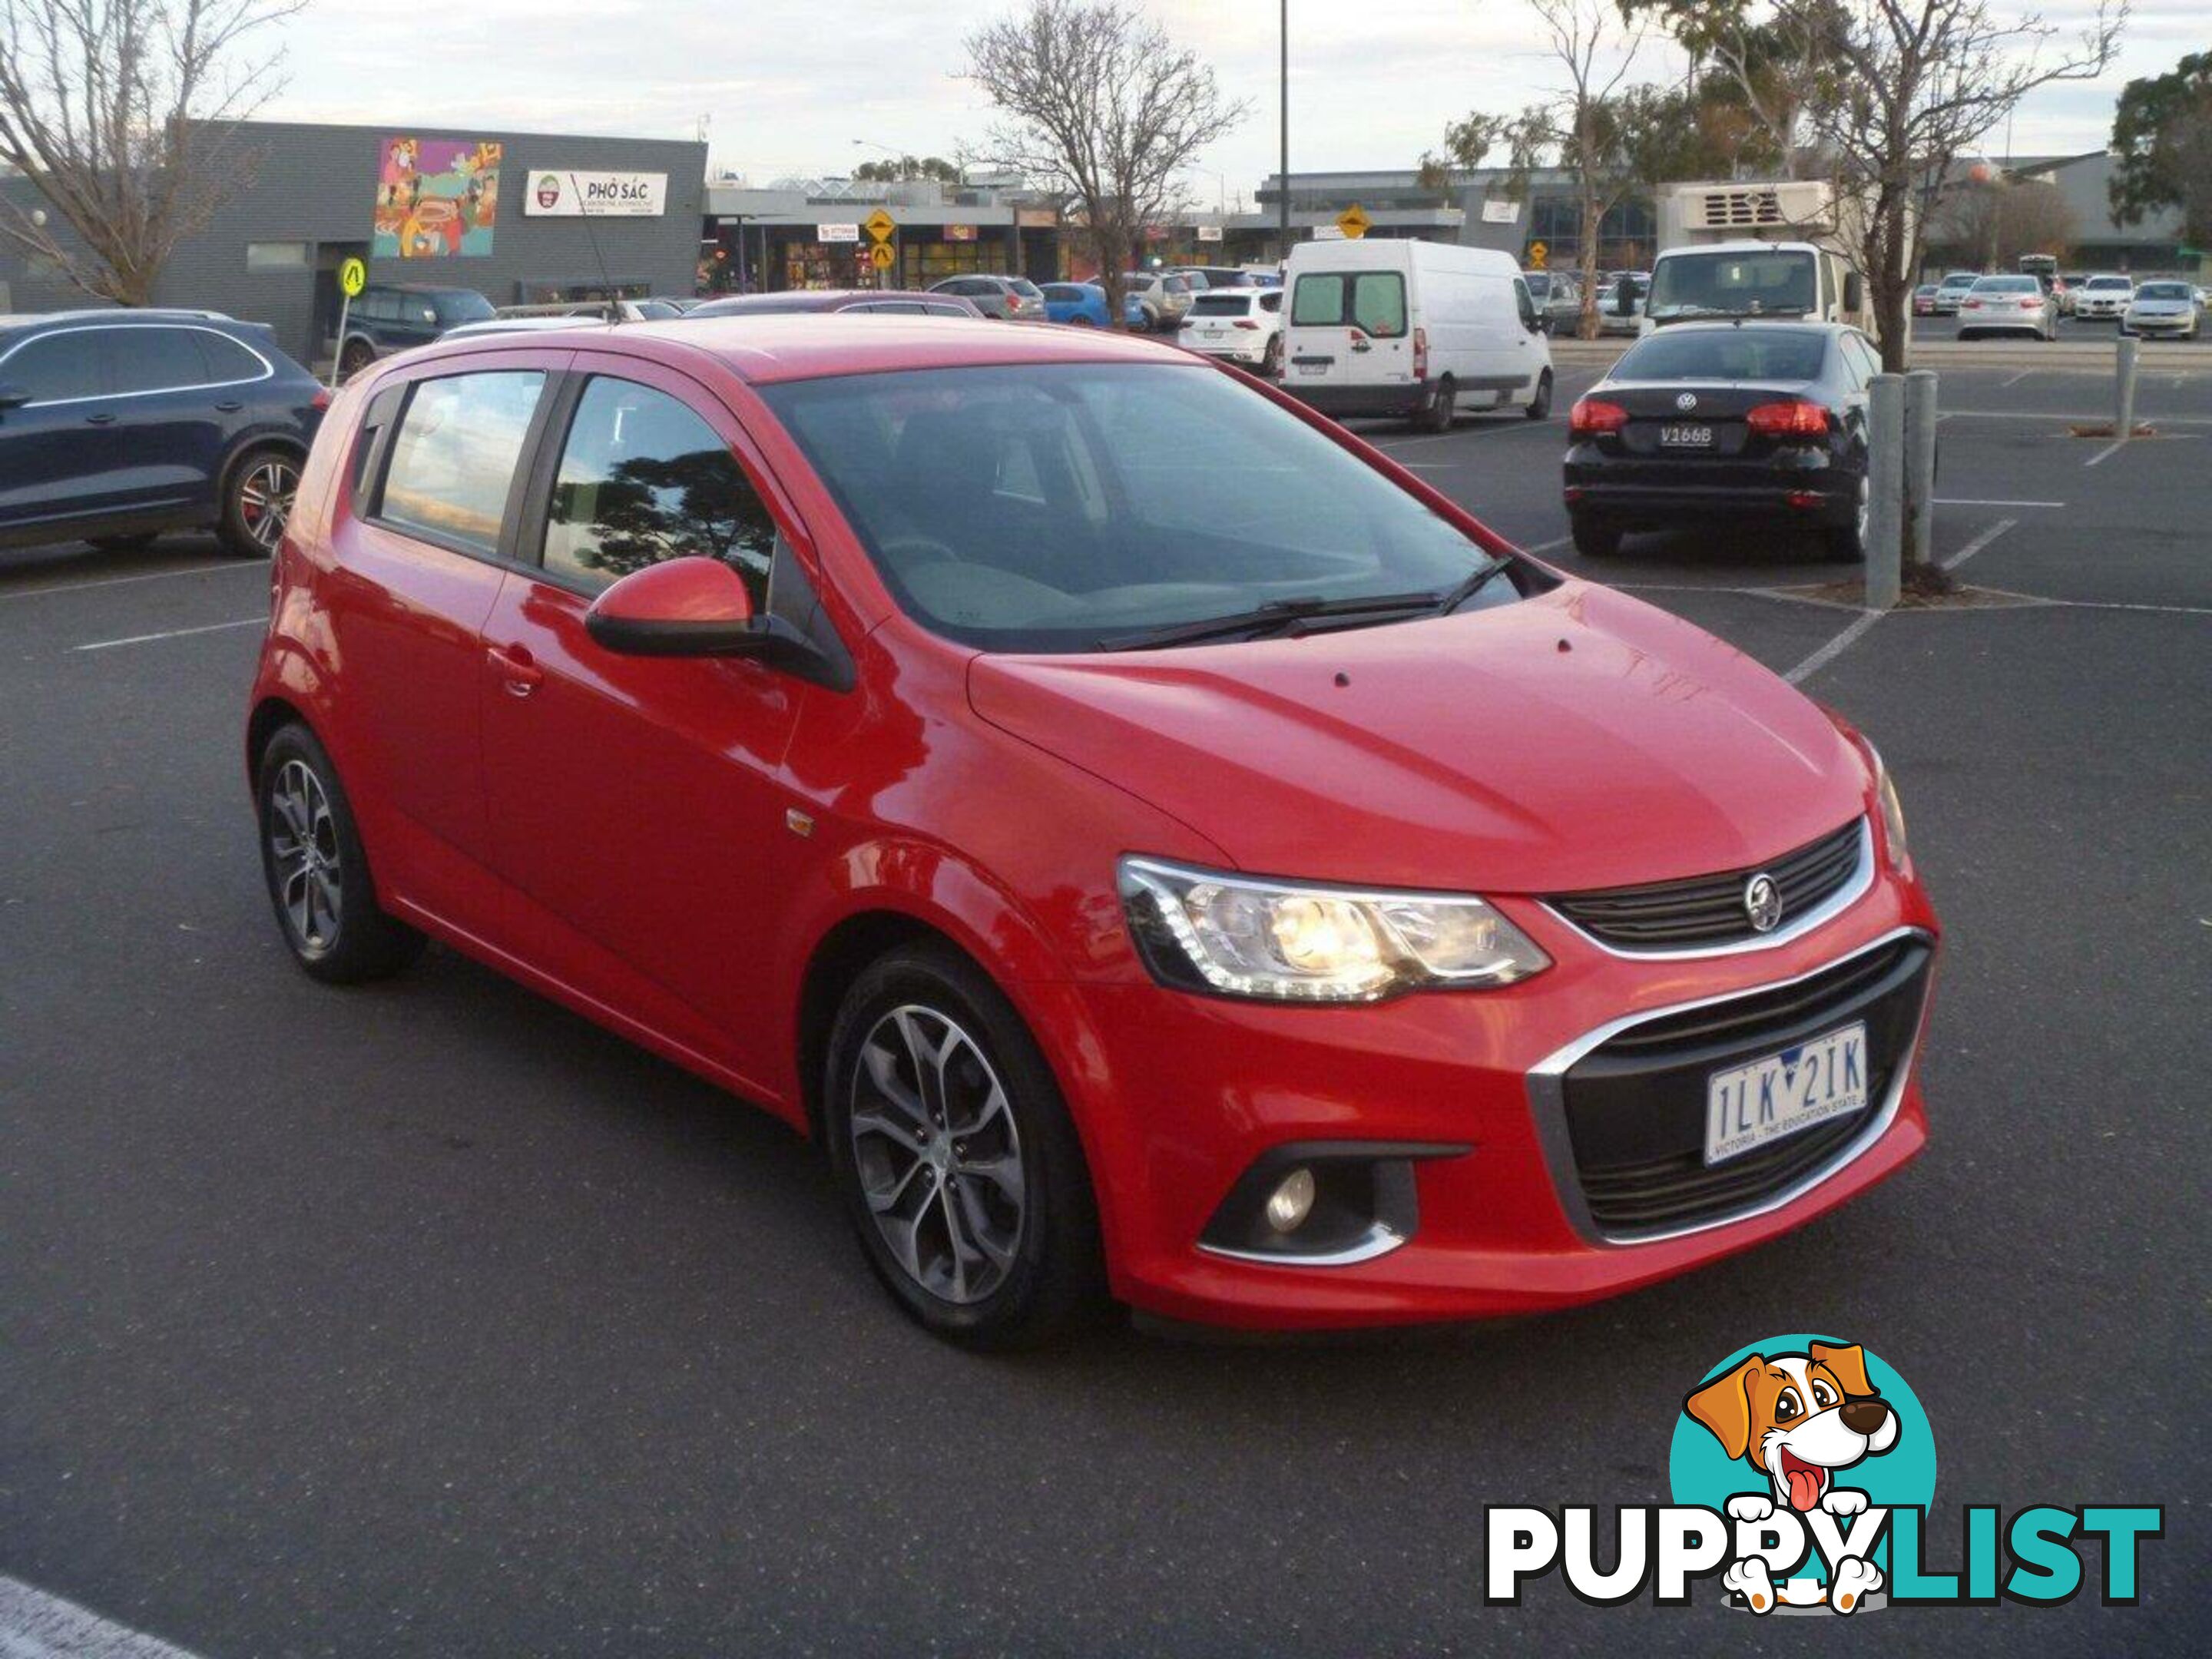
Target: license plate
1305,368
1749,1106
1678,436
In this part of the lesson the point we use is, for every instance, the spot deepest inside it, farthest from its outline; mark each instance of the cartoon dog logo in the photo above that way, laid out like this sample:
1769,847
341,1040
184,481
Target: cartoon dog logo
1798,1418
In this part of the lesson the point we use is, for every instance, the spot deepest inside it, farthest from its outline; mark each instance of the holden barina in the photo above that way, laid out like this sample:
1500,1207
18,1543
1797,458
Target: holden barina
1158,847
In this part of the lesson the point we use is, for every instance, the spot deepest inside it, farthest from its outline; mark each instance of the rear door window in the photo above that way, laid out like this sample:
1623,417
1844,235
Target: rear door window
54,367
154,359
644,479
453,456
1373,301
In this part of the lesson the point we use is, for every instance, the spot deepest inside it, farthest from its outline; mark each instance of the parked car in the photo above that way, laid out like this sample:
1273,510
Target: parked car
2008,305
1951,293
1202,277
1398,326
1924,300
1620,302
957,682
1558,295
797,301
388,317
1163,296
1084,305
2105,297
2161,310
1709,421
648,309
117,426
1240,325
1011,299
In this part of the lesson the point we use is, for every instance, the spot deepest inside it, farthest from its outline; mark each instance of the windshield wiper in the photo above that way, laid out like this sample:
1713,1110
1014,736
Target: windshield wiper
1477,579
1266,618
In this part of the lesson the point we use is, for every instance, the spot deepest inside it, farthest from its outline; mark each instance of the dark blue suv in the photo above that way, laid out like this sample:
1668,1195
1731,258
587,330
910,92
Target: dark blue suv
390,317
117,425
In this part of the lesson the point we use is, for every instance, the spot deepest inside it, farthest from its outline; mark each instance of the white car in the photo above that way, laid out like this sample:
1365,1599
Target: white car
1951,293
2008,305
1243,325
2104,296
2161,308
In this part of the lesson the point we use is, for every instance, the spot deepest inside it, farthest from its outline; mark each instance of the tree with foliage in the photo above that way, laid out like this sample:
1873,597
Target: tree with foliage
908,169
1903,88
2162,132
1097,105
121,113
1771,67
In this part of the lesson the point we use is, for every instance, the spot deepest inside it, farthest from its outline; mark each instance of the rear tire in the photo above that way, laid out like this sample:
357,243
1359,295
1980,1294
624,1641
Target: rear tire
1436,415
257,502
938,1104
317,873
1539,407
1271,361
1593,538
1846,543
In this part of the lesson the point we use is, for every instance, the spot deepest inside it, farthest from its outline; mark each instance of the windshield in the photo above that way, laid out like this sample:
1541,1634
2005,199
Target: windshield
2165,291
1732,284
1725,354
2008,285
1047,507
2110,282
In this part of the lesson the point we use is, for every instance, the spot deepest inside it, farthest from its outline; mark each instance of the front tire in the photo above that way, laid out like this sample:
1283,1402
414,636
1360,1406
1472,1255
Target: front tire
257,502
317,875
352,357
1539,407
955,1154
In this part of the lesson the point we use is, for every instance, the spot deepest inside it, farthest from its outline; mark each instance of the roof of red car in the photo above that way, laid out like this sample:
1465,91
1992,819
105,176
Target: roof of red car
805,345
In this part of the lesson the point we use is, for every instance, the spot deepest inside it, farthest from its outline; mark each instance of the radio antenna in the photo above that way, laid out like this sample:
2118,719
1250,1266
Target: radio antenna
606,281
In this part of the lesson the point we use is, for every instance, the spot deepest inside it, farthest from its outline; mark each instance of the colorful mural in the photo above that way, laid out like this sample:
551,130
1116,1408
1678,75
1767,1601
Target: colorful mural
436,198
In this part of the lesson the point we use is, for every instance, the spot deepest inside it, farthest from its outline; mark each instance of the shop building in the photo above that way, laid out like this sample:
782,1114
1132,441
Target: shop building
812,233
518,217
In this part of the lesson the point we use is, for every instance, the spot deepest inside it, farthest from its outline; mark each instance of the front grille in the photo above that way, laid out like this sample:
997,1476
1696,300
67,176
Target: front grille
1636,1104
1708,910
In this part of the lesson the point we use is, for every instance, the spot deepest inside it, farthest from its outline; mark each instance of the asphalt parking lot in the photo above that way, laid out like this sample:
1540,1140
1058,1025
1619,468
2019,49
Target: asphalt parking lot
429,1319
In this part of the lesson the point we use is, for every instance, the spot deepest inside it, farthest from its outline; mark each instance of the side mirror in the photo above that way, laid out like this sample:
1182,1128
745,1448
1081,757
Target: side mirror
14,397
1854,290
691,607
1541,324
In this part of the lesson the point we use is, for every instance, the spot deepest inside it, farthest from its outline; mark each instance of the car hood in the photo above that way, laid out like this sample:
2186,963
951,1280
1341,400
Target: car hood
1579,739
2164,307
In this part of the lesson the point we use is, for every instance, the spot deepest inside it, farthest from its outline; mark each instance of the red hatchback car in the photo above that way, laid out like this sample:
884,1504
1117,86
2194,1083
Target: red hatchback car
1157,845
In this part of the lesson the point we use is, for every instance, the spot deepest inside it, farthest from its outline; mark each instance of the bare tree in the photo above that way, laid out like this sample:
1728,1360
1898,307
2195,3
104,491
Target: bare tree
1994,220
119,113
1919,83
1100,107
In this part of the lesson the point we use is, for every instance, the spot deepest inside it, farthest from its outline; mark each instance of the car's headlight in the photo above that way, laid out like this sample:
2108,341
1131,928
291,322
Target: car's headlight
1205,930
1893,809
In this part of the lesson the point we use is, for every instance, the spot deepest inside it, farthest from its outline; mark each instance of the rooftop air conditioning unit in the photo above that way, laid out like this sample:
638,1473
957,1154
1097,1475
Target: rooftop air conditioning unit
1751,209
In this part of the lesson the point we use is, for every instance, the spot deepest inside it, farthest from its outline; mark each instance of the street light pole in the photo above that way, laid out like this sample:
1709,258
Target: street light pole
1283,165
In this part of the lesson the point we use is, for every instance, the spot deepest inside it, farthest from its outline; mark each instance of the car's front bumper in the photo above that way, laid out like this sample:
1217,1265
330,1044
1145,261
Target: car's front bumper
1181,1095
2177,326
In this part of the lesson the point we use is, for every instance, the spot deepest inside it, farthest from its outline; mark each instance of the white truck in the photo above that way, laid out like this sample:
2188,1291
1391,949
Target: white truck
1738,248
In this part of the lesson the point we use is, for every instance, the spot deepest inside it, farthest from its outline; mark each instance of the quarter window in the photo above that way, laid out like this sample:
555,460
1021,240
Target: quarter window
228,361
56,367
644,480
453,457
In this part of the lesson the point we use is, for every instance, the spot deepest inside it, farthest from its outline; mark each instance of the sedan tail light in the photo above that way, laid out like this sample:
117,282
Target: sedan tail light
1421,354
321,399
1973,305
1246,322
1591,416
1790,420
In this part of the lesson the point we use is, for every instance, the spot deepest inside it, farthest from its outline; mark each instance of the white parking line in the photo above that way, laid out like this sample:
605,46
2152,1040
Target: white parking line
1833,649
1978,543
2104,416
2017,379
2107,451
1946,501
36,1625
172,633
259,569
1488,429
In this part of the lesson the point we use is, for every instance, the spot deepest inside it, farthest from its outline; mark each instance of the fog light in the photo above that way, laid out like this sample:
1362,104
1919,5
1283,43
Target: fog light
1292,1202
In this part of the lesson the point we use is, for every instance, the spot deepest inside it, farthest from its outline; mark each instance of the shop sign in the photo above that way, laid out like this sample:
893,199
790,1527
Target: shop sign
837,232
569,193
1209,233
960,233
1035,218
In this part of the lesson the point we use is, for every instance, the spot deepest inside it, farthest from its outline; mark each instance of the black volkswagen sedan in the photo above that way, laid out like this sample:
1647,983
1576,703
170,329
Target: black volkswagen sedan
1747,419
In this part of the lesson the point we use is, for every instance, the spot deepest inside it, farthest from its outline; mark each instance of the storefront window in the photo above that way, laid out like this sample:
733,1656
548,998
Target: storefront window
275,255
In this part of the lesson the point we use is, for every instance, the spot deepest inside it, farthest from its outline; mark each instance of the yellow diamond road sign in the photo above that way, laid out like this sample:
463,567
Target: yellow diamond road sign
353,276
881,256
1353,222
1537,254
879,225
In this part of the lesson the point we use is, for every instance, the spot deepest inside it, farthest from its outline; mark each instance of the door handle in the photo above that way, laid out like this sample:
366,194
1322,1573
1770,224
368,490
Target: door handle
101,419
518,670
230,406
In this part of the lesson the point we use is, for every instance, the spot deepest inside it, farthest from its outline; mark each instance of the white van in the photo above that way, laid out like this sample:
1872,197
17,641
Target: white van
1394,326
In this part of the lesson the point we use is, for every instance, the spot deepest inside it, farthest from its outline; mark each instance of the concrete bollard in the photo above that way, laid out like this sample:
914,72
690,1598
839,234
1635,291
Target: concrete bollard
1885,536
2124,389
1920,466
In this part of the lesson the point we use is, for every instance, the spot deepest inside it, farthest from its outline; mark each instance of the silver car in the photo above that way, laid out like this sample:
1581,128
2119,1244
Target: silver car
1163,296
2008,305
2162,311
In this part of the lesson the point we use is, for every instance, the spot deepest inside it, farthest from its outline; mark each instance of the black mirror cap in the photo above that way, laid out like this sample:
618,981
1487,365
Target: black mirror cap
770,638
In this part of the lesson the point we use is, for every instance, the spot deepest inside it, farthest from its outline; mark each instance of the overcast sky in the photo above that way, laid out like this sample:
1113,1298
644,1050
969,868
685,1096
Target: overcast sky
786,89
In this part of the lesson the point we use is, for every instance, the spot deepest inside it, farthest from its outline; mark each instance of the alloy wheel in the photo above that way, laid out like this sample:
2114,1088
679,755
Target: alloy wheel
939,1157
304,862
265,500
